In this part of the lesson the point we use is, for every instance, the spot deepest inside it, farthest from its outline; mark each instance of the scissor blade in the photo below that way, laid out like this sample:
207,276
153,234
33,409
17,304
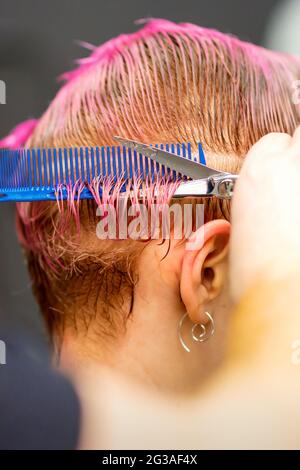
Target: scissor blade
170,160
202,187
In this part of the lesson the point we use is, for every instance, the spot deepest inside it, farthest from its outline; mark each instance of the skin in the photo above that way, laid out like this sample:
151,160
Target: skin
252,402
187,280
276,154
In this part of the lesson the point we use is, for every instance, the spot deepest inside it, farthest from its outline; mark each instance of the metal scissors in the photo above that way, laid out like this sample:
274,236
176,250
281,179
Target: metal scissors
205,181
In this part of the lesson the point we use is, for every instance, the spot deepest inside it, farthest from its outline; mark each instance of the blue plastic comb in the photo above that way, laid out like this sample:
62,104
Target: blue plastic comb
46,174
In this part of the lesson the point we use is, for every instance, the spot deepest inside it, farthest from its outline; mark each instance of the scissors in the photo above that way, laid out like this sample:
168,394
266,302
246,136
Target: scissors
205,181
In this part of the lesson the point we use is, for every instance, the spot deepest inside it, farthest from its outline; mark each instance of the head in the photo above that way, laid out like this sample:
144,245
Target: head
116,302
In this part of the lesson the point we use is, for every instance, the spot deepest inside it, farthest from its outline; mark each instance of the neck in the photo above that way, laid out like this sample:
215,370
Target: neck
148,351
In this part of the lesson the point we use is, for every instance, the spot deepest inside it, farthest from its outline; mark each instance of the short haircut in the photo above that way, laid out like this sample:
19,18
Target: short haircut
166,82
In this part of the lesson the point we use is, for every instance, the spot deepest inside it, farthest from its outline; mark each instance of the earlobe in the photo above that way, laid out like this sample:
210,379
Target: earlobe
204,269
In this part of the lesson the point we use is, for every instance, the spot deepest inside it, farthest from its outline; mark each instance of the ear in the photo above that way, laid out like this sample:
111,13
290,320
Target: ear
203,270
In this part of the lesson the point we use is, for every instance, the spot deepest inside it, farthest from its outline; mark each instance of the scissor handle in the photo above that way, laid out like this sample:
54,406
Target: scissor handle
223,185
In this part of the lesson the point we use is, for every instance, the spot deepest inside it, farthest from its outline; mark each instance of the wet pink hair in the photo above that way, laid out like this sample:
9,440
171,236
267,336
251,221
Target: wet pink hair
19,135
166,82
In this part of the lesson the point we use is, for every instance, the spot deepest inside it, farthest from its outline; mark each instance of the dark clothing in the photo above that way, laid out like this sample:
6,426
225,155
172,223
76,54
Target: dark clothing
39,408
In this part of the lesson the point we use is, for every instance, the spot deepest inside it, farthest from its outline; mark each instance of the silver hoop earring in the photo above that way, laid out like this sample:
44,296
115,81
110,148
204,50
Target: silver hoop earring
202,336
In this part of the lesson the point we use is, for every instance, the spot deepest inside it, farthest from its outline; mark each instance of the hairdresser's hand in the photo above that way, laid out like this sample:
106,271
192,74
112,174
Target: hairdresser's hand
265,239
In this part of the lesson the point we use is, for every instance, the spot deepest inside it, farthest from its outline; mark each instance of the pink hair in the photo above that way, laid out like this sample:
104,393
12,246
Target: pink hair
166,82
210,46
19,135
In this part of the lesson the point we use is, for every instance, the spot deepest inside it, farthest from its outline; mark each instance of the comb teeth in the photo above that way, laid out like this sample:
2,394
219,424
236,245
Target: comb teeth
37,174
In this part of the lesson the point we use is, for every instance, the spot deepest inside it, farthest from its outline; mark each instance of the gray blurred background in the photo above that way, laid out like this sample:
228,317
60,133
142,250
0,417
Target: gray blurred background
38,43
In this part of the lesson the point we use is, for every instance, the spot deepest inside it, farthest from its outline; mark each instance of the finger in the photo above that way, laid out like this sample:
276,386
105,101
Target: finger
296,136
271,144
295,144
266,154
